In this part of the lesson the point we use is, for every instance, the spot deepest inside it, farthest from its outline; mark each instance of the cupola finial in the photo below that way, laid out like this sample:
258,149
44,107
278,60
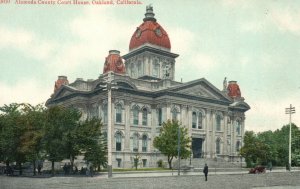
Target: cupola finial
149,15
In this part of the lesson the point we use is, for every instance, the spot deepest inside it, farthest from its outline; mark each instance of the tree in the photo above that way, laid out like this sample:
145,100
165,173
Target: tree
167,141
57,141
33,121
271,146
254,150
270,153
11,131
92,142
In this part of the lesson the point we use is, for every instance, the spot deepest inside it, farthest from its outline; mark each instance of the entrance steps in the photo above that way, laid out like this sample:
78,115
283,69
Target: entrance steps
198,163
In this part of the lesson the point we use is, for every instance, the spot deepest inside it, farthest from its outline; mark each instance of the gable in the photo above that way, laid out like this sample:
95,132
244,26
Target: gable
63,91
240,105
198,91
201,88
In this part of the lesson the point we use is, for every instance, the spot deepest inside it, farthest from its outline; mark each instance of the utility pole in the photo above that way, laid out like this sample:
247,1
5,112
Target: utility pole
109,86
291,110
178,150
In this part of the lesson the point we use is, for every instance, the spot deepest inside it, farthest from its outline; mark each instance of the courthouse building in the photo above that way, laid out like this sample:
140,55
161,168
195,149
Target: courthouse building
137,92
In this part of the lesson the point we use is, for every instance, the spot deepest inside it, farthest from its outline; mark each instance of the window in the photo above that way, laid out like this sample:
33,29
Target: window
105,113
145,116
218,146
140,68
155,68
200,120
174,114
133,71
159,116
238,127
105,136
194,120
119,162
118,113
144,162
145,143
218,122
135,116
135,142
237,147
118,142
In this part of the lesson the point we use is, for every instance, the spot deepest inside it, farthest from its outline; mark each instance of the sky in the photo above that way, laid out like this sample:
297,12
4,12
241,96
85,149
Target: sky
256,43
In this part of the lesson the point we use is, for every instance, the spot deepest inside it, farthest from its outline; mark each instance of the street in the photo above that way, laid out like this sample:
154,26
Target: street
215,181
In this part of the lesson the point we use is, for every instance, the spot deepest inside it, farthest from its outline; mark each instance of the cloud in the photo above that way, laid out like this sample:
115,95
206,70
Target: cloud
267,115
26,91
27,42
186,44
286,20
96,32
254,26
182,40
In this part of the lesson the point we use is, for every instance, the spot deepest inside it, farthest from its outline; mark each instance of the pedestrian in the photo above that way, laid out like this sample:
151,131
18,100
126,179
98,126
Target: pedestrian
76,170
270,166
39,168
65,169
205,171
91,170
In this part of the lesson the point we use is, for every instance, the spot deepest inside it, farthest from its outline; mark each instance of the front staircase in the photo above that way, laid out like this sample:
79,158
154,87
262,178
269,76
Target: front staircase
198,164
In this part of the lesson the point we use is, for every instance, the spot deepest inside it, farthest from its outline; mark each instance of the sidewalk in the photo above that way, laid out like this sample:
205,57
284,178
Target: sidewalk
132,174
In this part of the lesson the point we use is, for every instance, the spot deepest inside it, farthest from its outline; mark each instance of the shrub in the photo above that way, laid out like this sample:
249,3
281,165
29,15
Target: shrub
160,163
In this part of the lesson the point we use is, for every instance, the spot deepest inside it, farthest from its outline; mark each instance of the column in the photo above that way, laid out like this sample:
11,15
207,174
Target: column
225,135
153,125
213,134
127,126
208,133
168,113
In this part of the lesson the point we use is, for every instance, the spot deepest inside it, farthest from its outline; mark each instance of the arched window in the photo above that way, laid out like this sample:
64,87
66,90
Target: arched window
145,116
218,146
145,143
135,142
118,141
140,68
155,68
238,146
238,127
218,123
105,116
159,116
135,112
174,114
199,120
194,120
133,71
118,113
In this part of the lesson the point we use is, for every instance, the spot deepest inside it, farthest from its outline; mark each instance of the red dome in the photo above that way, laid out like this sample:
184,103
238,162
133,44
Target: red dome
150,32
114,63
233,89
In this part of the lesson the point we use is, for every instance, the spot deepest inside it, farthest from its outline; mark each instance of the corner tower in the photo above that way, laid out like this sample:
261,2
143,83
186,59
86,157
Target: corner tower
150,51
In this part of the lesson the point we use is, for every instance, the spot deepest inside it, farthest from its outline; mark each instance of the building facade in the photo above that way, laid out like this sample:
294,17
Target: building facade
137,92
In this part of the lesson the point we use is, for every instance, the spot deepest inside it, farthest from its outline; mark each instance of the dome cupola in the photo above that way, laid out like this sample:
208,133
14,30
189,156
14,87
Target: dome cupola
114,63
233,89
150,32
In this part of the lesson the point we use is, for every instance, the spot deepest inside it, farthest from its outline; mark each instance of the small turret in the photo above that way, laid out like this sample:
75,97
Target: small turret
114,63
62,80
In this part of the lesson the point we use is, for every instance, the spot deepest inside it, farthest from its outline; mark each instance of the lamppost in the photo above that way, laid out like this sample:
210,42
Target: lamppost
109,86
291,110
